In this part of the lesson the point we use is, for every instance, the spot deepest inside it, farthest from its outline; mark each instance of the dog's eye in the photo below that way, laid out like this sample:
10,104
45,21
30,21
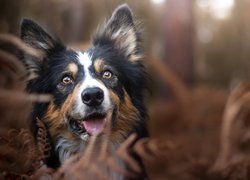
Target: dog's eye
67,80
107,74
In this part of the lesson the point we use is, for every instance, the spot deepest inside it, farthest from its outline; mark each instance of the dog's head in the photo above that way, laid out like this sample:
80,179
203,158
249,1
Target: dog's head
87,85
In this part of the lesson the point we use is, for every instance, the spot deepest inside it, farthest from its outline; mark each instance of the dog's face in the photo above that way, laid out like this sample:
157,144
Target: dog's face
87,86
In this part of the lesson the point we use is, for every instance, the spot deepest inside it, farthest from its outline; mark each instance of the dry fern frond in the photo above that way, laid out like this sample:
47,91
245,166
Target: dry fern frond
11,44
233,162
19,155
18,152
42,143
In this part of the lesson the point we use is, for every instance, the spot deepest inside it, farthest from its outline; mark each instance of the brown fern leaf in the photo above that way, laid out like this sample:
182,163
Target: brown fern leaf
18,151
12,44
233,162
43,143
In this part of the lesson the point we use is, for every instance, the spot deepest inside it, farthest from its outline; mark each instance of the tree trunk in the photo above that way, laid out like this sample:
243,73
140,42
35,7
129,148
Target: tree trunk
178,29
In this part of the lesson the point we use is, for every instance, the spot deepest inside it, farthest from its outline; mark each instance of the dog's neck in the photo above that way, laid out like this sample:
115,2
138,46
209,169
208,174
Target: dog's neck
65,148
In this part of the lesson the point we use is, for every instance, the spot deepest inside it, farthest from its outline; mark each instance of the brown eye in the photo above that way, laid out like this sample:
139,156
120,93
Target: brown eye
107,74
66,80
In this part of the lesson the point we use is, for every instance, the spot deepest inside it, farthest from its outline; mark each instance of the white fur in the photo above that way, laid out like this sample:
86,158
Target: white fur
66,148
43,45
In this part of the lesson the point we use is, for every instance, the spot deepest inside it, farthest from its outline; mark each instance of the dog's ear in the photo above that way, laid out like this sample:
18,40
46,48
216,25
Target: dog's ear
36,37
122,32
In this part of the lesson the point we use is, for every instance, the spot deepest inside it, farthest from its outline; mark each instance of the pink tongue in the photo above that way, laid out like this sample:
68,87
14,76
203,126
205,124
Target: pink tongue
94,127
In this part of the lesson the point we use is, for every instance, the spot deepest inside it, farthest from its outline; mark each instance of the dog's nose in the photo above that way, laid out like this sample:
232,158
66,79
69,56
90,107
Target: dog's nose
92,96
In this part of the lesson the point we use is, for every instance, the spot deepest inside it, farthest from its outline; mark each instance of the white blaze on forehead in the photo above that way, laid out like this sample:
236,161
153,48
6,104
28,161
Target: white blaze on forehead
85,60
89,80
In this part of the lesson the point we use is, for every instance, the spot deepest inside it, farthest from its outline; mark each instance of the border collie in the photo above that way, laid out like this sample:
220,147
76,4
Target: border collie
87,85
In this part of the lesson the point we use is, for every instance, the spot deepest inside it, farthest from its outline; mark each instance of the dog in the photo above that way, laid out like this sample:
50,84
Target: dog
86,86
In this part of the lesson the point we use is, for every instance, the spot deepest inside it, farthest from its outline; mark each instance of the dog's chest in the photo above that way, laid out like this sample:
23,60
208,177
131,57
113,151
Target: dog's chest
65,148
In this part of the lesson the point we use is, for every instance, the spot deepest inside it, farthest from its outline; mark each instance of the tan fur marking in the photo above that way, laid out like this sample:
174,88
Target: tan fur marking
65,133
70,100
135,58
53,116
125,38
114,98
72,68
128,116
56,117
98,65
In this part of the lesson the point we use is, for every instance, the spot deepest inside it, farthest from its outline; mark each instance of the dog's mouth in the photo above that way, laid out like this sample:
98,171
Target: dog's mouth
93,124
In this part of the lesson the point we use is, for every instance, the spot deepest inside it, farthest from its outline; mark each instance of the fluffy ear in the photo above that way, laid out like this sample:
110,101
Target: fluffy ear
121,31
36,37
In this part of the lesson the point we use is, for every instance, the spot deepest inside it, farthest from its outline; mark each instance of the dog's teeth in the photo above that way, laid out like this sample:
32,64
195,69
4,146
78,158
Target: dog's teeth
85,136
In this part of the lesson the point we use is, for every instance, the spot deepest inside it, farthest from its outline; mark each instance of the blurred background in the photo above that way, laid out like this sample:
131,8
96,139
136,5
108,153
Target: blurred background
202,41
